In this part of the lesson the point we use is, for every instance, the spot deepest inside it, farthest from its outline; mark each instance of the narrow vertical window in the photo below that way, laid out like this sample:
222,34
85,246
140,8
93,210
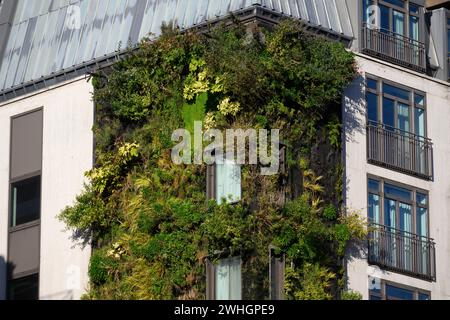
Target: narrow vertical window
228,182
224,279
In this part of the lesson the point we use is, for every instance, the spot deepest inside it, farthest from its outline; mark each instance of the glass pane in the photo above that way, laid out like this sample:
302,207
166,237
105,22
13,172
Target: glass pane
374,298
374,208
448,42
419,99
25,201
396,92
26,288
388,113
395,293
397,192
384,12
422,219
413,8
403,122
222,281
414,28
419,122
372,84
424,296
228,182
399,23
235,279
405,212
389,213
228,279
373,185
372,107
399,3
422,199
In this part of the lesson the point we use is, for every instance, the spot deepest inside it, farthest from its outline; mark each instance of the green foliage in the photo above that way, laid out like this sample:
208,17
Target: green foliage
351,295
150,219
100,267
312,282
194,112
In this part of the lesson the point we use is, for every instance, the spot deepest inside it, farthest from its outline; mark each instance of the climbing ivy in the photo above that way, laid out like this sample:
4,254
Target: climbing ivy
151,223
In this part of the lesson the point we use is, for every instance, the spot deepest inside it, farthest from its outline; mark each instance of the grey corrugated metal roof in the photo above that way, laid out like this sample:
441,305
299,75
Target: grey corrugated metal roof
45,37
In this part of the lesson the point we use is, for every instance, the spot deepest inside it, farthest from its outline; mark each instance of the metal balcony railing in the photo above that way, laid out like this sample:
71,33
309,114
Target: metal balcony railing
402,252
394,48
400,150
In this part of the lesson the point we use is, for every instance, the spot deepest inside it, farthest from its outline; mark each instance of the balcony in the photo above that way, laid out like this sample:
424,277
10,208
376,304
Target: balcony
399,150
402,252
394,48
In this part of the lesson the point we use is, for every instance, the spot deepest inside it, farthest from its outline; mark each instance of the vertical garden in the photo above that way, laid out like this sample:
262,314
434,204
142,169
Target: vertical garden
151,225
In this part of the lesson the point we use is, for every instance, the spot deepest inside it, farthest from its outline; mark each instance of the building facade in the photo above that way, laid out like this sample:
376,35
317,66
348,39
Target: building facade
396,141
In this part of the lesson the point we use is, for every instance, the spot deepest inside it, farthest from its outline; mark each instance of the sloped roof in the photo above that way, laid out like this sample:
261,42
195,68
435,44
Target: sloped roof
48,36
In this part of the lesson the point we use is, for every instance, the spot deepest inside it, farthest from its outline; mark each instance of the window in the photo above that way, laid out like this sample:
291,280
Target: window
26,288
224,280
398,207
400,17
396,128
391,291
396,108
25,201
399,229
228,182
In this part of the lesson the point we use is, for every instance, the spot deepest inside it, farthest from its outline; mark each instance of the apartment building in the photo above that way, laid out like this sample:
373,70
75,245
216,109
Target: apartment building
396,118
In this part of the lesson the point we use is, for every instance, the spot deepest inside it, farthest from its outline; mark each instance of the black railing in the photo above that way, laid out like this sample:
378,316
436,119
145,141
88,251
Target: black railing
400,150
394,47
402,252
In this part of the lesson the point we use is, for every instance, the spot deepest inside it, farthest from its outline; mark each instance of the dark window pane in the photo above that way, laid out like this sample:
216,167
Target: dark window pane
422,199
372,107
384,12
413,8
395,293
419,99
373,185
396,92
448,41
399,3
25,201
372,84
372,297
397,191
388,113
424,296
26,288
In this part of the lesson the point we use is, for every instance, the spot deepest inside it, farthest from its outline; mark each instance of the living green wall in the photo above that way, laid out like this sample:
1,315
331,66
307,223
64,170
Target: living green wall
150,222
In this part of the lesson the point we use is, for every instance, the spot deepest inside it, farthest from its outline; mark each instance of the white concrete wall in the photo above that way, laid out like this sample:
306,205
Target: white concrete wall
67,154
357,168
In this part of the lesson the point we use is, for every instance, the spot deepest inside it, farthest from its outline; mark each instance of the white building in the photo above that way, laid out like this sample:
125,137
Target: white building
396,118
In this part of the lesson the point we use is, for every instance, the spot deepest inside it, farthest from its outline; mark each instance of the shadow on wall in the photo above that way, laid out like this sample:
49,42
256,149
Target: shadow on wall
6,270
2,278
354,109
354,122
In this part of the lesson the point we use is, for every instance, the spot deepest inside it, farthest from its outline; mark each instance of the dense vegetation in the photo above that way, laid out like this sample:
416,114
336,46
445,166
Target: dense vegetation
151,223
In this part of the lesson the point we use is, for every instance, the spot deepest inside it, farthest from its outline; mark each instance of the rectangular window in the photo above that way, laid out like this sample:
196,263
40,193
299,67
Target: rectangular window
224,279
228,182
396,108
25,201
26,288
397,16
392,291
399,204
